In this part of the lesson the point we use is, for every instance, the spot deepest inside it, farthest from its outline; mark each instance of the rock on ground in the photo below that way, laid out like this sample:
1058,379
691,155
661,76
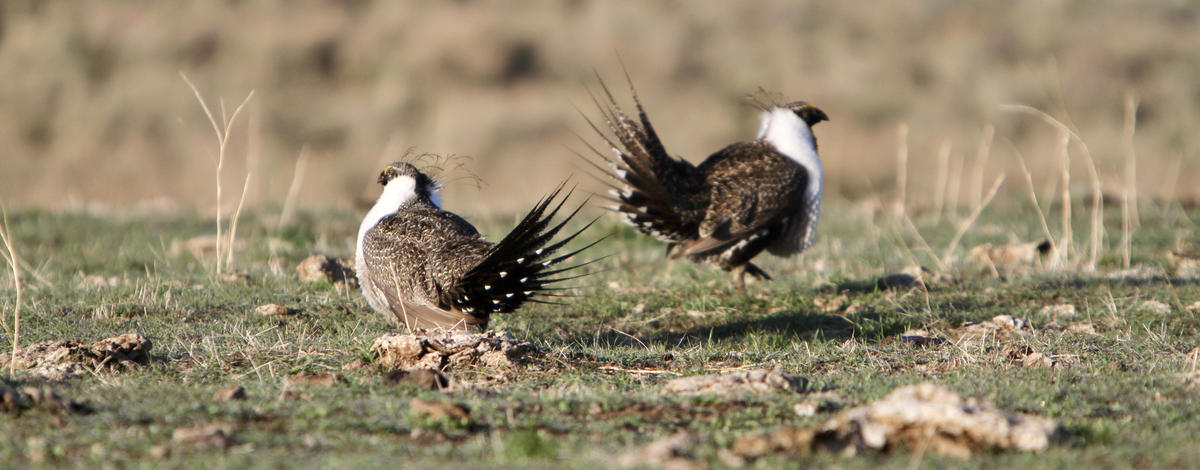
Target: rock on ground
441,350
756,381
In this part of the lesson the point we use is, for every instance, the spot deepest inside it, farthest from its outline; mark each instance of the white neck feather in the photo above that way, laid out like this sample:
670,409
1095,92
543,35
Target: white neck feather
792,137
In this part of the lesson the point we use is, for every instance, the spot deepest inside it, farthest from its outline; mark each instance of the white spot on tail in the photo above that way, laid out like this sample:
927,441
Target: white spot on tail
503,274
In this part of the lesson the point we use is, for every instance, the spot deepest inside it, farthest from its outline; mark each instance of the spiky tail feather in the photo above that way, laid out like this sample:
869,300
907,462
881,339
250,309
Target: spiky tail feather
646,183
517,269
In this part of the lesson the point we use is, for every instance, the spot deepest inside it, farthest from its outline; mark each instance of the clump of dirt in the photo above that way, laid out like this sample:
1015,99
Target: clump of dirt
1011,254
14,401
438,410
913,277
427,379
311,379
752,381
60,360
442,350
324,268
275,310
204,436
1184,263
230,393
922,416
673,452
1026,356
999,327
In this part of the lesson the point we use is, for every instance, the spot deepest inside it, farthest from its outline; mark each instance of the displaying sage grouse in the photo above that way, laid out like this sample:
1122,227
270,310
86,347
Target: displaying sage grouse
424,267
743,199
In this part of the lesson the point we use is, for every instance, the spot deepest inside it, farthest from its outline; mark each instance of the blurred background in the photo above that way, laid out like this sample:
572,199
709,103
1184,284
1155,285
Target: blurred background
94,113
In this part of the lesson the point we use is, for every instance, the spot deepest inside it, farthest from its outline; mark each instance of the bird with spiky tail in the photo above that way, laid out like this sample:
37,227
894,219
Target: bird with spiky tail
424,267
745,198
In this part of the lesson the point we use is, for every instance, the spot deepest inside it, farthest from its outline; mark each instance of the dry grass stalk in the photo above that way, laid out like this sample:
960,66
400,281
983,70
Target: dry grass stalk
222,132
1067,241
981,161
289,202
13,261
1033,198
1096,238
1126,236
924,245
943,174
902,167
954,191
966,224
1131,106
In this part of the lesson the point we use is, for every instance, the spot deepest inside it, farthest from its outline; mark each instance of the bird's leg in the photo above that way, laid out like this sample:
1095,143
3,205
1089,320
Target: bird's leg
739,278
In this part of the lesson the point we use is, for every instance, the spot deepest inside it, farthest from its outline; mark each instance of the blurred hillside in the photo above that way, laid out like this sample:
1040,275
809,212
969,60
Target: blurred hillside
93,108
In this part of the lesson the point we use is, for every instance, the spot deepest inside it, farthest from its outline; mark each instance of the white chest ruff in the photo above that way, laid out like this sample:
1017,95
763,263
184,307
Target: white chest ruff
793,138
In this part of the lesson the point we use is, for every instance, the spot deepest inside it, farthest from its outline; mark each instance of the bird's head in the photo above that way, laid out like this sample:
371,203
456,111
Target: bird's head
406,181
810,114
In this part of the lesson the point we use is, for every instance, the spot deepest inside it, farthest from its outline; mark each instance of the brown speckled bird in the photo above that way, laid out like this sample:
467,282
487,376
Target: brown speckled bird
424,267
743,199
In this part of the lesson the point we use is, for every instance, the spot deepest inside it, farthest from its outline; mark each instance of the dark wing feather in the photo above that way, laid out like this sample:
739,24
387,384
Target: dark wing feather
753,192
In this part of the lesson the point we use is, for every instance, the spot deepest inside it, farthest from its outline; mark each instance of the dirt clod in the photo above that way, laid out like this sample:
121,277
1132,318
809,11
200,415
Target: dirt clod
15,401
274,310
203,436
757,381
673,451
230,393
310,379
438,410
1156,307
234,278
60,360
1059,310
323,268
444,350
1011,254
935,416
427,379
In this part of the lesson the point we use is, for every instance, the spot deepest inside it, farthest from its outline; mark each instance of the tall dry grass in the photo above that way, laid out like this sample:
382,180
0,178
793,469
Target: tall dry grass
221,129
13,330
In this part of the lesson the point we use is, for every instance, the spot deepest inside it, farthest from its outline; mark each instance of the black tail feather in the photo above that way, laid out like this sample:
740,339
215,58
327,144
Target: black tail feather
515,270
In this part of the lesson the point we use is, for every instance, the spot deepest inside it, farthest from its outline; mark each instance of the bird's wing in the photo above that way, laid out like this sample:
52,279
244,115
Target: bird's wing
649,187
752,190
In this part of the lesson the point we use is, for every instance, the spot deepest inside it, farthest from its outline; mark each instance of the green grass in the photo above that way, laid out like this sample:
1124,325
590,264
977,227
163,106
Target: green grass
1120,397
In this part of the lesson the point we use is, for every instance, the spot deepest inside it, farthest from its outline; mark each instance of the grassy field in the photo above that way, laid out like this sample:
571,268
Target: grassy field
108,170
1114,377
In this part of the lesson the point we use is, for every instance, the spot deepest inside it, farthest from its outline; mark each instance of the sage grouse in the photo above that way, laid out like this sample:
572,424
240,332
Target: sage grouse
743,199
424,267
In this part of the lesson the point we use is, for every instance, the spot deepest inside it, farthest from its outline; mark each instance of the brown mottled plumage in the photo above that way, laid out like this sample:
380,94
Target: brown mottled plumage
743,199
424,267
